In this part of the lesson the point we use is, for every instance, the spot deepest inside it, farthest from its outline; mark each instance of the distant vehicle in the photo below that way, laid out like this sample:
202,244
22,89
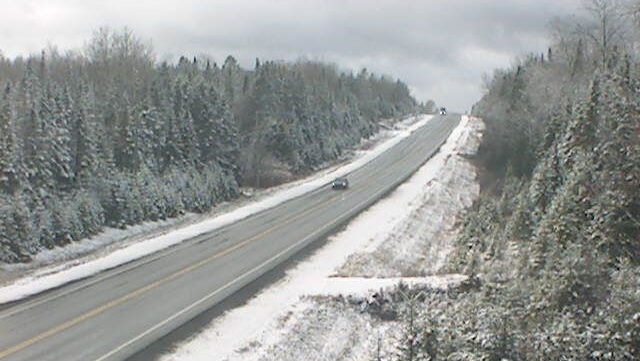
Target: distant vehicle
443,111
340,183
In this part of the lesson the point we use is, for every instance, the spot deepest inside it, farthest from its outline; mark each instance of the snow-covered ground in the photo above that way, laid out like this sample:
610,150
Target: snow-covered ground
303,316
115,247
418,243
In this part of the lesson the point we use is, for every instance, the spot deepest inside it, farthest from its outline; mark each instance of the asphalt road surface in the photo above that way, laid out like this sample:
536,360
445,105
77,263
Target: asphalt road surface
118,312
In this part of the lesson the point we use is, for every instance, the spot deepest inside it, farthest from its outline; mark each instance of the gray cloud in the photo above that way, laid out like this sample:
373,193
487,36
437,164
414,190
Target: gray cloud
440,48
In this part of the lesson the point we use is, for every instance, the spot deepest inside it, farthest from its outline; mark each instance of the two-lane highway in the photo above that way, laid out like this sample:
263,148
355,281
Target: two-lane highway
120,311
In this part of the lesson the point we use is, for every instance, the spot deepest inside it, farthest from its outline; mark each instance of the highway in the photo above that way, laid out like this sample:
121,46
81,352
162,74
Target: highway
118,312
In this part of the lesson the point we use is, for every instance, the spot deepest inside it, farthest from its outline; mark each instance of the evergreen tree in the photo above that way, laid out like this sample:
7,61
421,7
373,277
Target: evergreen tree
10,167
86,151
618,162
57,139
38,161
129,143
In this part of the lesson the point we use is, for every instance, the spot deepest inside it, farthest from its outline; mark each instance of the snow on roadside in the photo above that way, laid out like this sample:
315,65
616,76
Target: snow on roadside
363,287
338,331
51,277
419,244
297,318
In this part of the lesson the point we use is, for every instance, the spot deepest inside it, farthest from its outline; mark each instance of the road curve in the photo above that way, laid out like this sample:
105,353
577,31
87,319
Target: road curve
116,313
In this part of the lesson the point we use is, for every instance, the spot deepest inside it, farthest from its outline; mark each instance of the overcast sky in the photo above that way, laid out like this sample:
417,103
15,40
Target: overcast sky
440,48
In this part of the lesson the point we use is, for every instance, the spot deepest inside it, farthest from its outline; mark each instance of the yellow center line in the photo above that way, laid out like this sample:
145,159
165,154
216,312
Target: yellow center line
12,350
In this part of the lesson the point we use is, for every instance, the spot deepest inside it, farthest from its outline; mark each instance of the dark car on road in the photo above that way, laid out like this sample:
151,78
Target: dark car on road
443,111
340,183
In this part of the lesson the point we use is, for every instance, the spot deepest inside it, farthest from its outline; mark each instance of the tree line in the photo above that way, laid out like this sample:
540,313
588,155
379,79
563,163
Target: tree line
552,248
109,136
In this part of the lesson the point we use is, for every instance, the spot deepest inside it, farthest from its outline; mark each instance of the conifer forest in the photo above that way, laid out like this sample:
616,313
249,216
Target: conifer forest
110,136
552,247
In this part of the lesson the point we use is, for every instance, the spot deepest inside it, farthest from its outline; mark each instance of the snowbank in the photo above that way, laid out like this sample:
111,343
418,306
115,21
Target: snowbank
288,324
363,287
49,278
419,244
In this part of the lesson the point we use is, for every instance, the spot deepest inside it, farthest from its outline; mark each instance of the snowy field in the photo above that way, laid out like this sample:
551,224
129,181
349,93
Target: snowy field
115,247
406,236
